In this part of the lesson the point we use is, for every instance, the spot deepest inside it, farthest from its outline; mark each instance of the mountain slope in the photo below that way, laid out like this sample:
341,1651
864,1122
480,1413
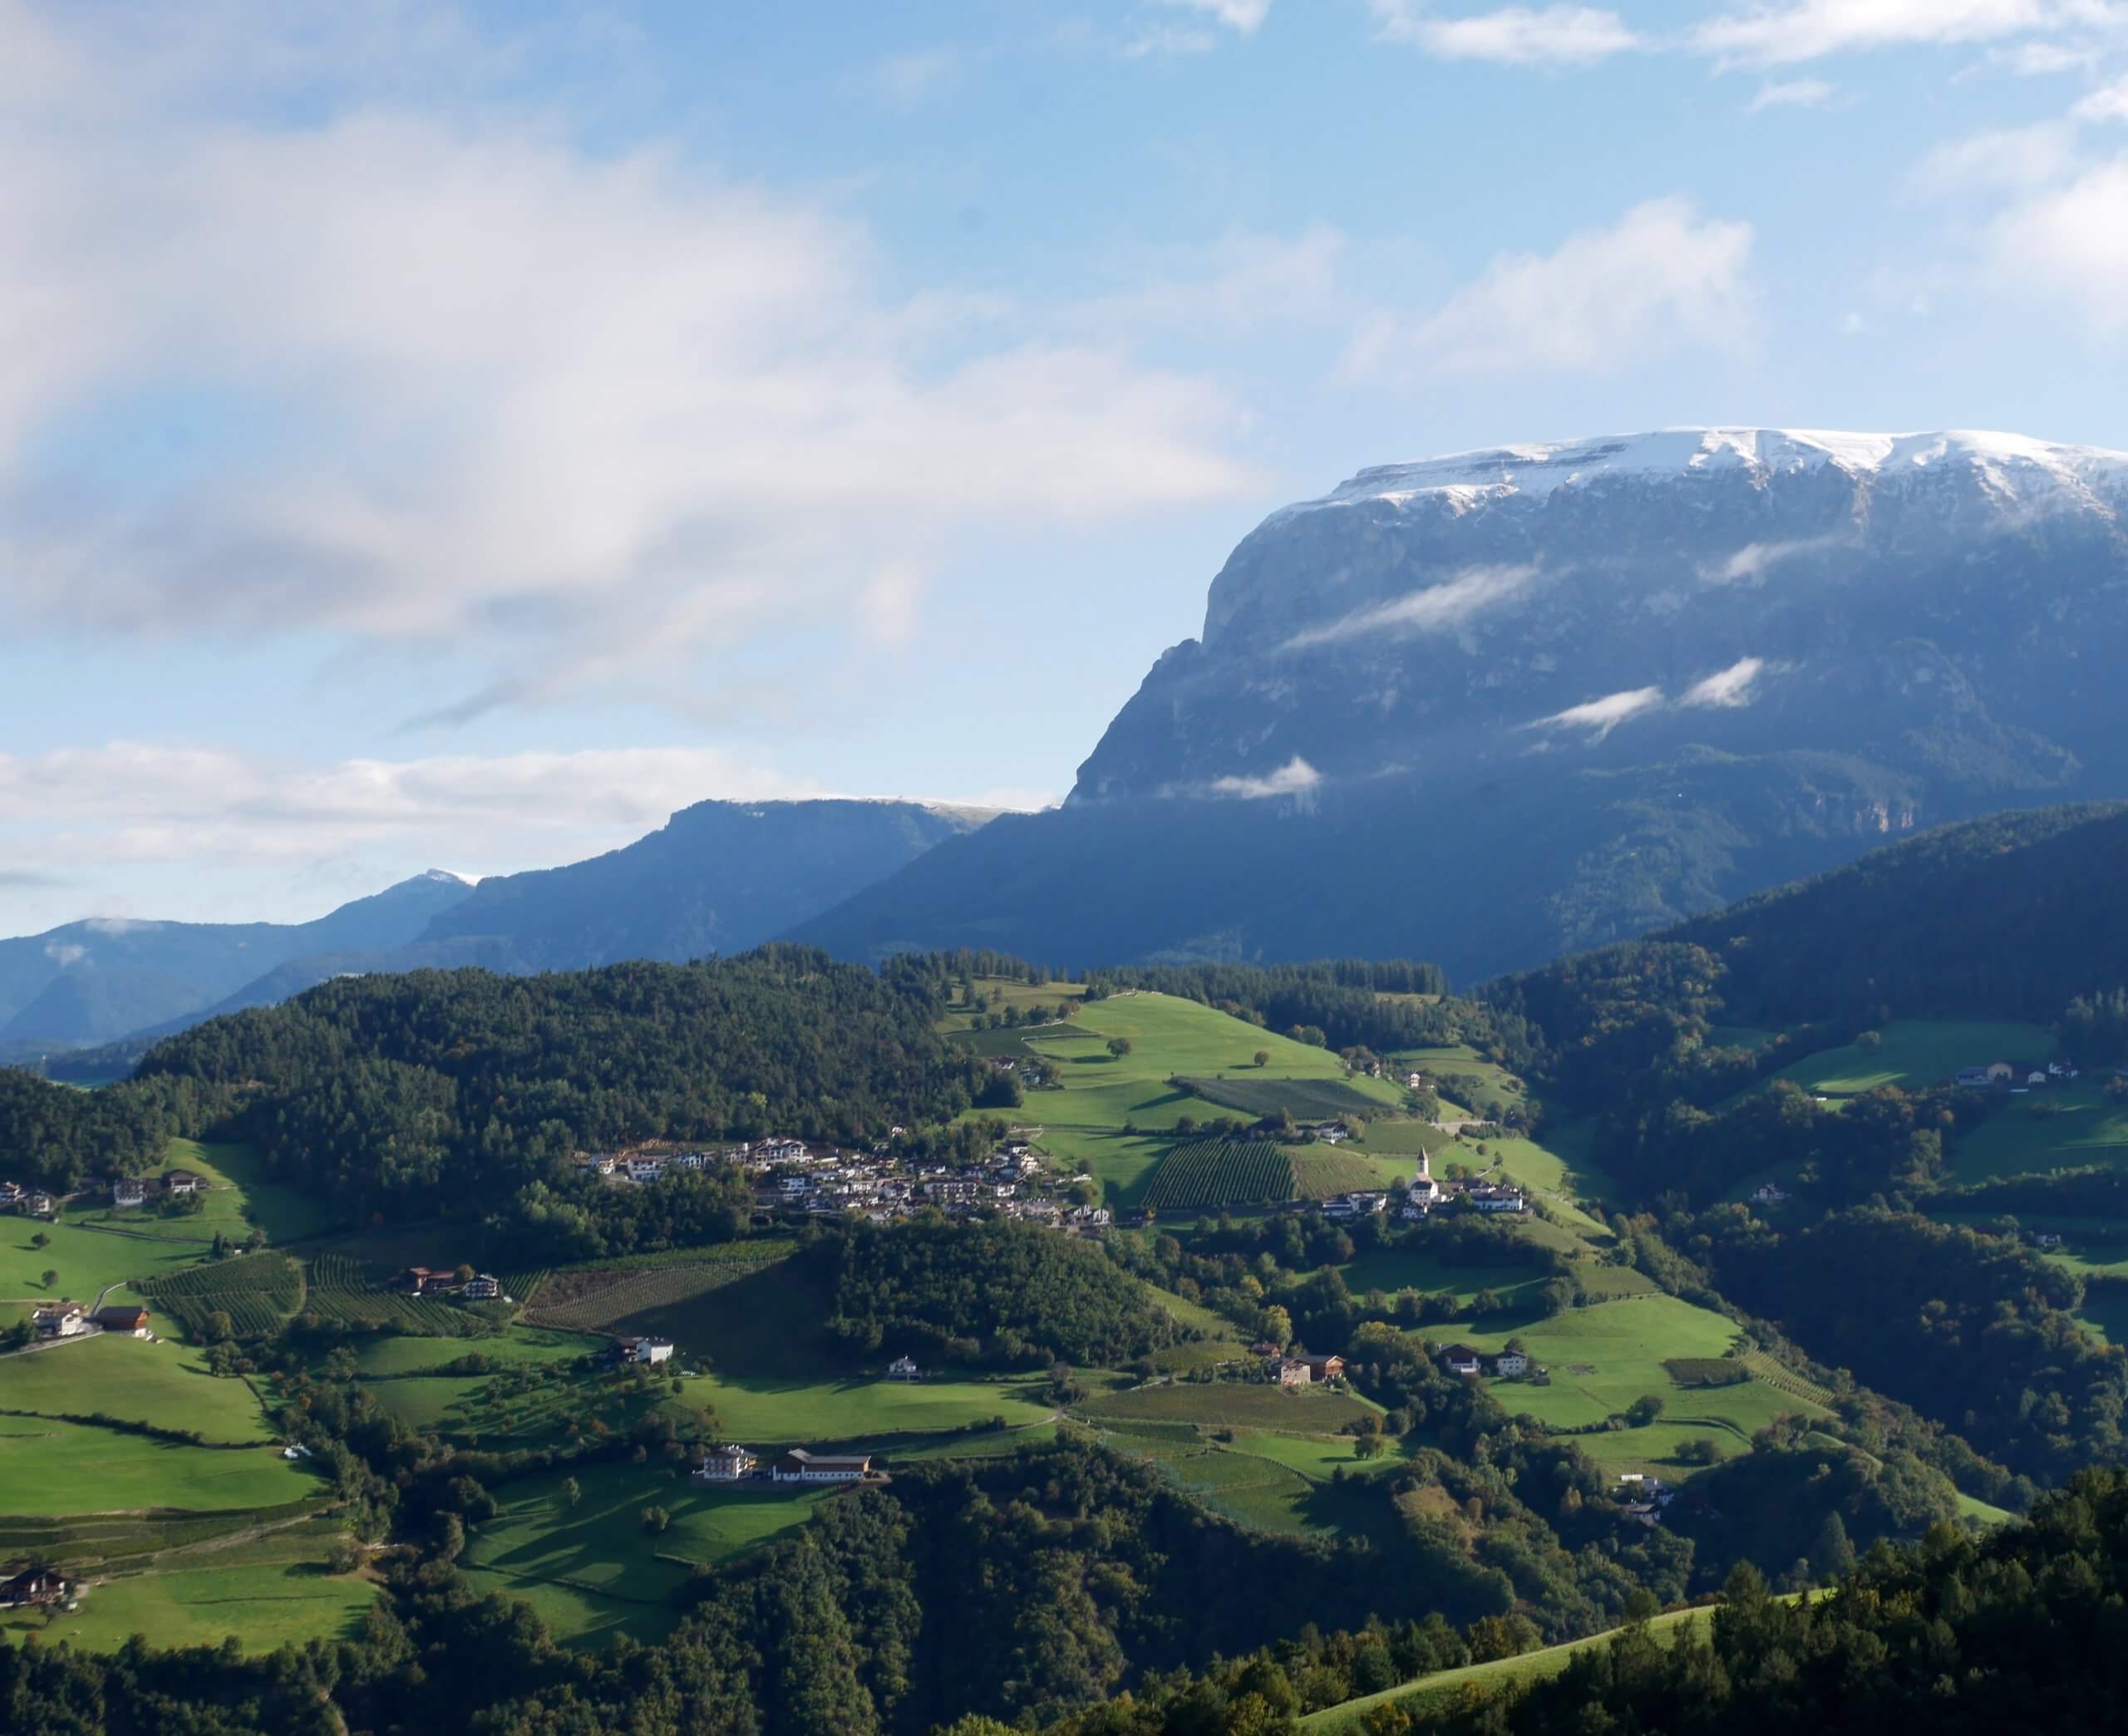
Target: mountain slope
717,877
94,980
1489,708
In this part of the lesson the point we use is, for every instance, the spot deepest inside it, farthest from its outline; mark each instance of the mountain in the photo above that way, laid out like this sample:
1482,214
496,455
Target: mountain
90,982
717,877
1488,708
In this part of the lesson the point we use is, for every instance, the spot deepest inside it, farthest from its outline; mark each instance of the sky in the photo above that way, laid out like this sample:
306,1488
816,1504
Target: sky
458,435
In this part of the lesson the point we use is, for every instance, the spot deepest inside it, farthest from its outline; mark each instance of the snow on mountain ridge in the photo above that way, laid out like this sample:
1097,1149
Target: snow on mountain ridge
2015,464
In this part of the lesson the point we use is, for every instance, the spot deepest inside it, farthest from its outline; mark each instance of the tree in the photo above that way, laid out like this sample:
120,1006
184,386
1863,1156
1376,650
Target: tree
1368,1446
655,1520
51,1278
40,1240
1831,1555
220,1328
572,1491
1119,1046
345,1555
462,1273
1645,1410
1277,1326
1263,1057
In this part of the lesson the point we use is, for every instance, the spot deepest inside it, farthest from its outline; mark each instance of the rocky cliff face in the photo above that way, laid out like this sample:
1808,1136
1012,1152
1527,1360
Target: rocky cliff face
1951,602
1631,677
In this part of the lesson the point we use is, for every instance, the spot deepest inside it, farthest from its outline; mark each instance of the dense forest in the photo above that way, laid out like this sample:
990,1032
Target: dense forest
1008,1294
393,1095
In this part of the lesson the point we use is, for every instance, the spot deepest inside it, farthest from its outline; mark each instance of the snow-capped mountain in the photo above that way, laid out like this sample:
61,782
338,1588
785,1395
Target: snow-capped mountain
1723,586
1676,665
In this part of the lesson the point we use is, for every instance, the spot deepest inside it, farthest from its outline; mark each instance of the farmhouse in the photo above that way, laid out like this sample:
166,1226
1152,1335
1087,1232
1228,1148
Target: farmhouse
1461,1360
40,1205
1289,1370
1510,1364
903,1368
798,1466
1489,1196
59,1319
129,1190
632,1348
1325,1368
182,1183
482,1287
727,1463
427,1281
11,1195
1972,1076
1769,1193
34,1585
132,1319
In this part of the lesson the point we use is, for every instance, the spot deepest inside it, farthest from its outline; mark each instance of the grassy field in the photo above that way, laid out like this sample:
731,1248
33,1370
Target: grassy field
2067,1129
1167,1037
1603,1357
263,1604
1437,1692
1305,1099
86,1260
51,1470
163,1384
592,1570
384,1357
241,1196
1024,997
1394,1269
1462,1059
1917,1052
1320,1171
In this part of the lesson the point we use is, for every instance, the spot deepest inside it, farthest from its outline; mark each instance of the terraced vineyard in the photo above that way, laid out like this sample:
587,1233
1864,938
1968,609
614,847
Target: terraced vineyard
592,1301
1782,1378
341,1289
258,1292
1221,1172
1320,1171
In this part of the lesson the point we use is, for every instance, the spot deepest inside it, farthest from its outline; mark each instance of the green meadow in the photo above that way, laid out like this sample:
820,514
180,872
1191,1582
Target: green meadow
263,1604
1232,1404
159,1383
51,1470
1918,1052
592,1570
1602,1358
2066,1129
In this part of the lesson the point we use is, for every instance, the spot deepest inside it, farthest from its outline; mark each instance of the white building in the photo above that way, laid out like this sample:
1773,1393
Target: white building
632,1349
798,1466
727,1463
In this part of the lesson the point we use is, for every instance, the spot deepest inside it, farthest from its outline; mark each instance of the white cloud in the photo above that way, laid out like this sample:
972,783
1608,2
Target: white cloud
63,954
2040,60
2010,157
1775,35
1661,279
1296,777
1240,282
2108,104
1603,715
1437,608
2071,242
601,415
1793,93
1242,15
1511,35
1726,689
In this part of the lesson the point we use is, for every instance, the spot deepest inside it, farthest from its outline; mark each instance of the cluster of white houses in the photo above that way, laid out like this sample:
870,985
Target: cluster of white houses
1423,1195
127,1192
792,1178
27,1201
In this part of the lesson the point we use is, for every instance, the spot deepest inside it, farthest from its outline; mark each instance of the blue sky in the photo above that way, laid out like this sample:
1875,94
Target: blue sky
456,436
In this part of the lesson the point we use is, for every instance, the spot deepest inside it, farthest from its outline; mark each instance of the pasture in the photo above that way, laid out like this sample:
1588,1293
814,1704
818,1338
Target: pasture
87,1260
590,1568
162,1384
1915,1053
262,1604
1601,1359
1319,1170
861,1410
382,1358
1390,1270
52,1469
241,1195
2066,1129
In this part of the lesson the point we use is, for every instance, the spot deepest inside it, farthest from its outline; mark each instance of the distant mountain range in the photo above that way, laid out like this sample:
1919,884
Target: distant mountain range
1482,709
1489,708
719,876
